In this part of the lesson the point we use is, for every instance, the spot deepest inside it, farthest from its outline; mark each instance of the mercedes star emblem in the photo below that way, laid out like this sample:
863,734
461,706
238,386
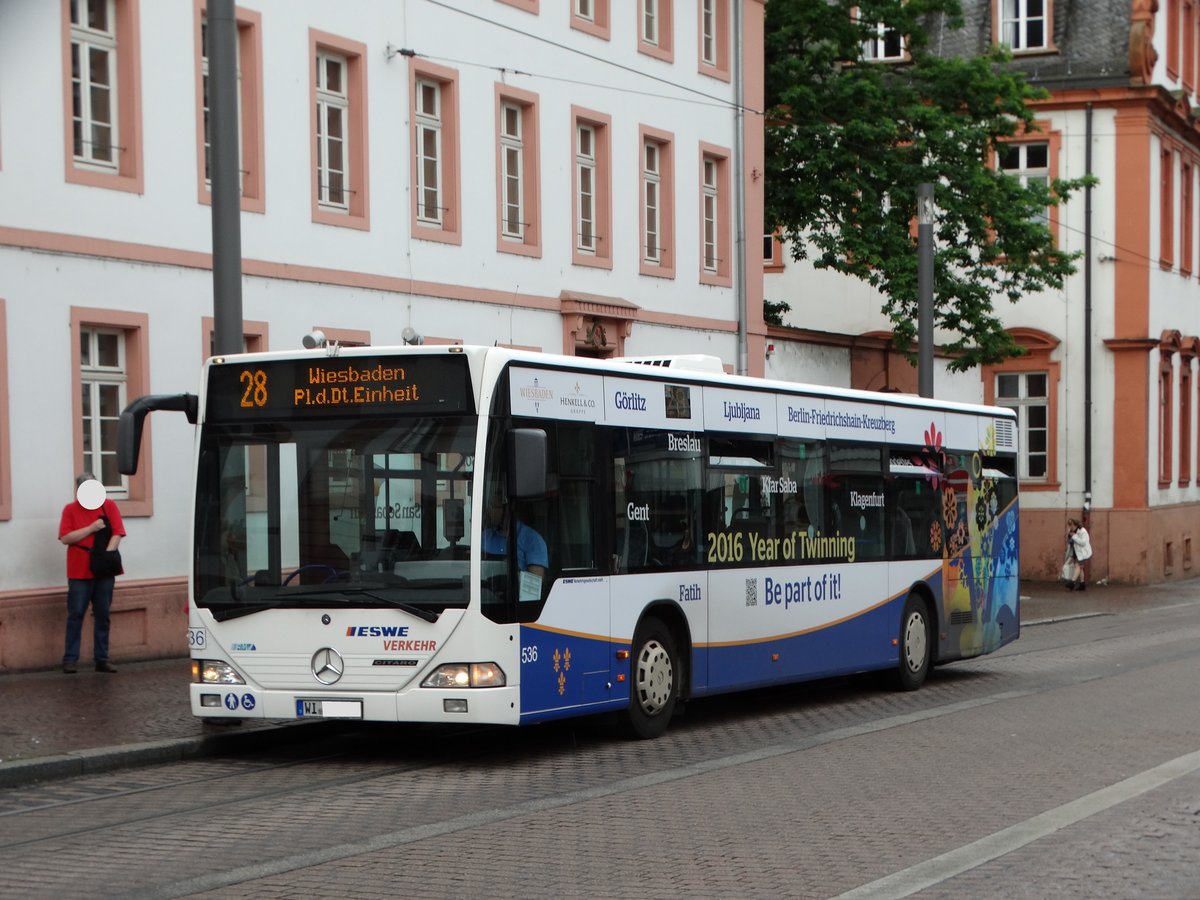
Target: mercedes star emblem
327,665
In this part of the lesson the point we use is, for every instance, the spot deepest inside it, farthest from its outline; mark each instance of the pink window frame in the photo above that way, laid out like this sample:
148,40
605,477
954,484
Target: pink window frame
531,245
529,6
255,333
666,202
129,175
601,24
602,189
721,67
723,277
249,38
5,443
136,329
665,48
447,79
355,53
775,263
1052,137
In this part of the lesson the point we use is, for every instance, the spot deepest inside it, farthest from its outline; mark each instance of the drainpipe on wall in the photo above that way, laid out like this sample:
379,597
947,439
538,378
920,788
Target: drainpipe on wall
1087,326
739,196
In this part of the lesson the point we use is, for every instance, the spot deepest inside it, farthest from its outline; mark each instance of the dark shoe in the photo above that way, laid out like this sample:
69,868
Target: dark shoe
69,668
103,665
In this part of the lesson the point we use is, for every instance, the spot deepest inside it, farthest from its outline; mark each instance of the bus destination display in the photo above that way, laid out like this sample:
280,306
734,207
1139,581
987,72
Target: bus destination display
366,385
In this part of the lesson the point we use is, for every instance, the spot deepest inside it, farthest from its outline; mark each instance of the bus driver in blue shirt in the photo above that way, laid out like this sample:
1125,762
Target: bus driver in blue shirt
531,547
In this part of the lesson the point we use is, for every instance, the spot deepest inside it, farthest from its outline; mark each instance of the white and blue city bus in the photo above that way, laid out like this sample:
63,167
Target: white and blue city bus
484,535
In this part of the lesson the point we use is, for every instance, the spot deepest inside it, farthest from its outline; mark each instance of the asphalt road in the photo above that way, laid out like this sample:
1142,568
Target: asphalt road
1066,765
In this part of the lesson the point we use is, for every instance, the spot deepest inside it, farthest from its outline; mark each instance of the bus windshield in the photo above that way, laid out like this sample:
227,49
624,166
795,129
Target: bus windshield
366,512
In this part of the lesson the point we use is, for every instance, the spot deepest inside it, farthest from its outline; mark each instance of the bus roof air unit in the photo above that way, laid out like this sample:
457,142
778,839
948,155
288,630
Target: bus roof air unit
692,362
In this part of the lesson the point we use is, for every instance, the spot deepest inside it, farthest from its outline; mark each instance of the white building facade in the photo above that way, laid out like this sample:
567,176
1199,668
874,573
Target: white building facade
564,175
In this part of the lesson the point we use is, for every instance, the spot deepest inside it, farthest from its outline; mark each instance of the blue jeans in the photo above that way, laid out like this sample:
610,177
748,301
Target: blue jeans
81,592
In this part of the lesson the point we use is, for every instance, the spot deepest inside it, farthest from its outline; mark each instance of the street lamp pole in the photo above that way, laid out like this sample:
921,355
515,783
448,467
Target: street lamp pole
925,215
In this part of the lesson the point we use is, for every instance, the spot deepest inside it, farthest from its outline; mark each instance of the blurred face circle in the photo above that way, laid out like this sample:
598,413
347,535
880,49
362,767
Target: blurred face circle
91,494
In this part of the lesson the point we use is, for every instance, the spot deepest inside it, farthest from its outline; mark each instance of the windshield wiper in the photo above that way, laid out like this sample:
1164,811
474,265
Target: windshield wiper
224,613
426,614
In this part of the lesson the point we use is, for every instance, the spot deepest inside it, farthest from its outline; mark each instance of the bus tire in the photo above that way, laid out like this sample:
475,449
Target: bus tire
916,645
654,674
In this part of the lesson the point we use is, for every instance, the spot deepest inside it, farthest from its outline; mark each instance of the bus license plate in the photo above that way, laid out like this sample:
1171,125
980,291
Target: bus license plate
329,709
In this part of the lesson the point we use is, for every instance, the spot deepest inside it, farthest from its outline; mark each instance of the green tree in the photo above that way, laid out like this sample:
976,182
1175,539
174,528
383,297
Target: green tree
848,141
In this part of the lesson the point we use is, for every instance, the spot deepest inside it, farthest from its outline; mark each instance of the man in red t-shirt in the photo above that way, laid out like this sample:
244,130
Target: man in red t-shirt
81,520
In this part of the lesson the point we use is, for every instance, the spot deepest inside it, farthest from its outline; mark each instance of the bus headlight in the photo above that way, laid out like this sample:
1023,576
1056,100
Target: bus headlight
214,671
466,675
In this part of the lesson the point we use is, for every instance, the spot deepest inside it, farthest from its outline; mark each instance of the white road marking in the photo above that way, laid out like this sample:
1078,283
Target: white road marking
940,868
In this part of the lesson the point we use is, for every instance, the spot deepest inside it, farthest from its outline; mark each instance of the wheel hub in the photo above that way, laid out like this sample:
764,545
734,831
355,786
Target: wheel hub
655,678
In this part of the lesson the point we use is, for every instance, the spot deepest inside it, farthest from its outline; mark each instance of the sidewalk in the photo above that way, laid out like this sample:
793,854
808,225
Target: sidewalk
54,725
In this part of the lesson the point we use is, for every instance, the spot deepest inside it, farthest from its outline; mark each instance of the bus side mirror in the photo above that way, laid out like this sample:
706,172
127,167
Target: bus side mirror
526,463
133,417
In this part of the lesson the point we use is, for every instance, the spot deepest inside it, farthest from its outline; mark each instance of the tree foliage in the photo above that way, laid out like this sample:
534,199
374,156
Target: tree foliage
848,142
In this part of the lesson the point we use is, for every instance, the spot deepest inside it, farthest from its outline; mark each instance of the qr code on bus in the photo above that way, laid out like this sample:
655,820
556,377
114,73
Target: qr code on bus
752,592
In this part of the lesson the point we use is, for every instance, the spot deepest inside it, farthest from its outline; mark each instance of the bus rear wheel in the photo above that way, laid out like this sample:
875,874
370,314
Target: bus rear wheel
655,675
916,645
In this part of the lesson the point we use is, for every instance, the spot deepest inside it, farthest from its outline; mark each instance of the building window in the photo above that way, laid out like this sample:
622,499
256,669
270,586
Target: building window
102,382
1166,207
592,177
428,143
1029,163
1024,24
715,230
435,168
885,45
658,202
517,172
1185,420
772,252
512,219
1026,394
1172,16
1166,411
714,38
102,93
655,29
339,131
94,82
1186,249
110,366
591,16
248,52
709,213
1189,45
333,104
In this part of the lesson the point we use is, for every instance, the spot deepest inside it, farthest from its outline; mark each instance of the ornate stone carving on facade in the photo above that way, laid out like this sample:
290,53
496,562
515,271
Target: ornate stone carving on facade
1142,55
594,325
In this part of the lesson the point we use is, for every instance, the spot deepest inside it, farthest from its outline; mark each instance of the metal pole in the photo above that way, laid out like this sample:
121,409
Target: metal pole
1087,329
925,215
221,29
739,199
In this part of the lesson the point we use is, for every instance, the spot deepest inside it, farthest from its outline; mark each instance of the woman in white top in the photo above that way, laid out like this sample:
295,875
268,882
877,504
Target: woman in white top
1081,546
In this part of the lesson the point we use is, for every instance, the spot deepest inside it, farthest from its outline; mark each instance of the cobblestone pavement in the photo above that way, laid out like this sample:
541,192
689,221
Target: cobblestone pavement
53,724
807,791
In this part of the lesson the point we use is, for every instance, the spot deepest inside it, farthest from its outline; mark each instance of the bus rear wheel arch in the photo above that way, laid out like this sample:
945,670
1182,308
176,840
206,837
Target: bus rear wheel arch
916,642
656,678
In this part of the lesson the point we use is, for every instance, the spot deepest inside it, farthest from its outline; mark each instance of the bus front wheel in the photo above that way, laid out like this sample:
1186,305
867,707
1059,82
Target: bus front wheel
916,645
655,673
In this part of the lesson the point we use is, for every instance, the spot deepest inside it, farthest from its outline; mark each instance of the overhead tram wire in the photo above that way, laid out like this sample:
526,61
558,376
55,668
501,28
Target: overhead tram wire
716,101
